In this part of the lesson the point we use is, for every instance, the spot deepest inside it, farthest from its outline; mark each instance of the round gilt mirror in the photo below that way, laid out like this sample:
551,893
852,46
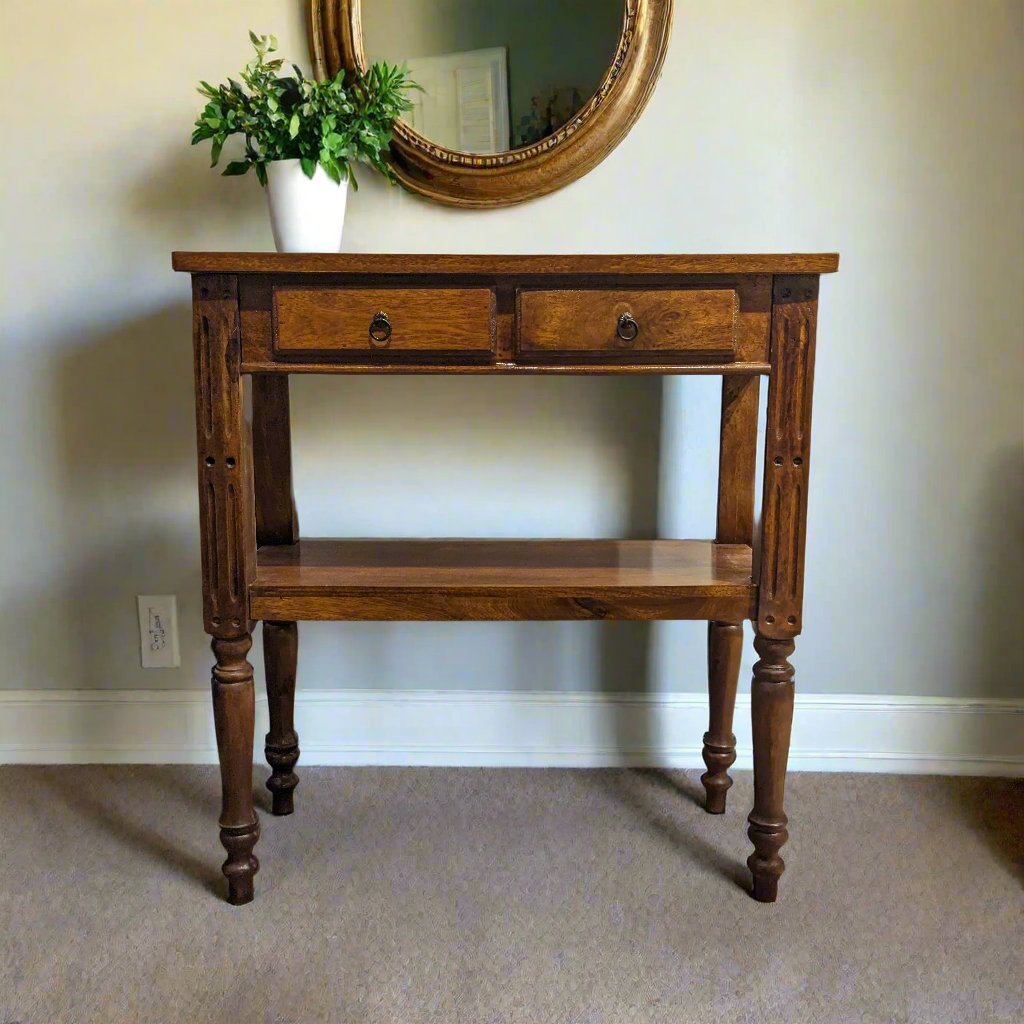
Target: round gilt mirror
519,97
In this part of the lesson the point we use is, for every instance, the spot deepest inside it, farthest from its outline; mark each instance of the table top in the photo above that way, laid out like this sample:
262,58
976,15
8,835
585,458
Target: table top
416,263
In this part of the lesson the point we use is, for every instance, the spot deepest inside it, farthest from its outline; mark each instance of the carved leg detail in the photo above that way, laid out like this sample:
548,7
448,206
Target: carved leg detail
725,645
234,712
771,696
280,655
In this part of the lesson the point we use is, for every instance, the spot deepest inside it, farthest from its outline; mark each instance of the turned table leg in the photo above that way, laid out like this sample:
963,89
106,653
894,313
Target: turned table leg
280,655
234,712
227,527
277,523
771,701
725,645
781,572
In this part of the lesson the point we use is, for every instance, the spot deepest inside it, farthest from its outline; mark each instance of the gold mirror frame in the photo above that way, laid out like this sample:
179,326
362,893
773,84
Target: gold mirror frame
502,179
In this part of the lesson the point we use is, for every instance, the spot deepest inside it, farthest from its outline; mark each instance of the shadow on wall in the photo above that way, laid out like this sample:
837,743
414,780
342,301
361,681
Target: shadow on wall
122,444
994,665
477,456
428,456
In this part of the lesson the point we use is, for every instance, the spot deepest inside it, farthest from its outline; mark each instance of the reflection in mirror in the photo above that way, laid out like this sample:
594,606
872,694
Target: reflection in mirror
496,74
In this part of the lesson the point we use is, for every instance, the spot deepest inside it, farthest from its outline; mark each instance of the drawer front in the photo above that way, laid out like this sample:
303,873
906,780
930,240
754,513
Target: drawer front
650,324
383,323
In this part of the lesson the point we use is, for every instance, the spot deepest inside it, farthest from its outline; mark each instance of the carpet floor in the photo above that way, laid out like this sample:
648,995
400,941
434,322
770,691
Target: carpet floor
477,896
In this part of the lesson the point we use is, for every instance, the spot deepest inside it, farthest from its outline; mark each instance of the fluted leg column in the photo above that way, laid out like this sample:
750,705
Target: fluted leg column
725,645
280,656
234,712
771,699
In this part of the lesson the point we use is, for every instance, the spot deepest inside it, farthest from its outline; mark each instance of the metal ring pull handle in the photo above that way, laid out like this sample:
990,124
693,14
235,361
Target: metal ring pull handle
627,328
380,328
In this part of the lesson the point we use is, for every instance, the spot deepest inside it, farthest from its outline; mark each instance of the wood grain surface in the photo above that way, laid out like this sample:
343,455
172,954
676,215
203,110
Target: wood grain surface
321,351
769,312
737,460
787,456
725,649
423,321
696,323
502,579
227,517
532,368
277,521
415,263
771,711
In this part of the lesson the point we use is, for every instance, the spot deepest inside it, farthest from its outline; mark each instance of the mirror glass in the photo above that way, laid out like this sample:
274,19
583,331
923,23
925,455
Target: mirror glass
496,74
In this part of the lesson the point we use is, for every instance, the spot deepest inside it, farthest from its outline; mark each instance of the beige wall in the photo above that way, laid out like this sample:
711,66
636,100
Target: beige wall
891,131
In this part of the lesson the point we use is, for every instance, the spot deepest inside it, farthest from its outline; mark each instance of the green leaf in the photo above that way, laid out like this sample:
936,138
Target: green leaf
328,164
235,168
333,123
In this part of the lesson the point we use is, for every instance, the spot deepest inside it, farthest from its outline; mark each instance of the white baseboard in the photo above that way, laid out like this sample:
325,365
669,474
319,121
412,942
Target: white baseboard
928,735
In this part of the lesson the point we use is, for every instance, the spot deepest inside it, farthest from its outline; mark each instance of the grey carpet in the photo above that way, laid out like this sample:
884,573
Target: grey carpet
402,896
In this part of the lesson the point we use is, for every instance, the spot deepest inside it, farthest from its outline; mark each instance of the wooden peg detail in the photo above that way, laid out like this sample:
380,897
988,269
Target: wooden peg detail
787,456
226,515
227,530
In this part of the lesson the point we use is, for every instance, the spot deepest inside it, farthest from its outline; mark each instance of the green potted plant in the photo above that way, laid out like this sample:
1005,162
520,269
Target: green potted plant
302,138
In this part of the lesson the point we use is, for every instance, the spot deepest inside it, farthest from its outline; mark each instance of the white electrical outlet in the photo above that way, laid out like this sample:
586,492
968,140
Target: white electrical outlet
158,630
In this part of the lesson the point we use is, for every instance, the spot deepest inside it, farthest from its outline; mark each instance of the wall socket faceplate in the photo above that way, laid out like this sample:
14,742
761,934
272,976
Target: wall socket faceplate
158,630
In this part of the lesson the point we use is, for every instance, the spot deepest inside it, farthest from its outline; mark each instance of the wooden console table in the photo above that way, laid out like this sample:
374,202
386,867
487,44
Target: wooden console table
268,315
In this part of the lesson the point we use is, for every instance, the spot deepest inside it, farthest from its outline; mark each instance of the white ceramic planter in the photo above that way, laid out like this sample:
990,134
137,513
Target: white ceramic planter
306,214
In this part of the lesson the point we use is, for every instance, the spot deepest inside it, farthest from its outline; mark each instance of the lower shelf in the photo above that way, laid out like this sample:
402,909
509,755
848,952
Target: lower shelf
455,579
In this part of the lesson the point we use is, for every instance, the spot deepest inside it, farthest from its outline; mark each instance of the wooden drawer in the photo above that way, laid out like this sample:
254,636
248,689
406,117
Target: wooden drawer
383,323
695,325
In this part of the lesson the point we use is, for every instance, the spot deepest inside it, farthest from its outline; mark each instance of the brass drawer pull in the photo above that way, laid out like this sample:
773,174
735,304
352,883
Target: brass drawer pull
627,328
380,329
